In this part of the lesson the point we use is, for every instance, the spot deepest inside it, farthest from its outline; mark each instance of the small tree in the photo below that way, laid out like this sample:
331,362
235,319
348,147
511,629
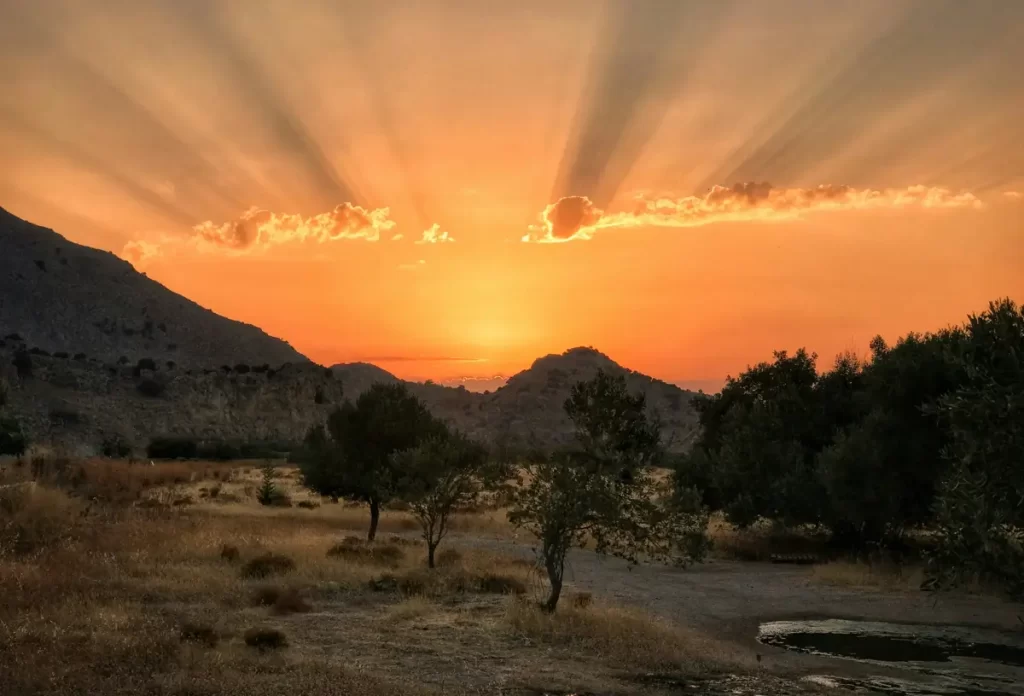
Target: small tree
12,440
440,477
603,490
267,493
352,457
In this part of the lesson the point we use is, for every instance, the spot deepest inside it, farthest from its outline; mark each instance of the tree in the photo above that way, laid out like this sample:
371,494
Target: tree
439,477
602,490
611,425
268,492
352,457
760,437
12,440
980,504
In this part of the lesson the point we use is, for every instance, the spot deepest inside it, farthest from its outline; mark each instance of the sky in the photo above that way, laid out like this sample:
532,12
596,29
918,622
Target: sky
453,189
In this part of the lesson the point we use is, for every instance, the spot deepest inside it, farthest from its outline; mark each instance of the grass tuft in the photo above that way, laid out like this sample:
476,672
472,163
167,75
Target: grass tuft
265,638
266,565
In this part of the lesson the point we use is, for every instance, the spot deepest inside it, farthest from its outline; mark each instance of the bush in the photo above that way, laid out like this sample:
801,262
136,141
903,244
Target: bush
199,633
308,504
12,440
80,357
22,363
115,447
151,388
265,638
282,600
64,417
34,517
448,558
357,550
218,450
229,553
242,368
146,364
172,448
266,565
61,354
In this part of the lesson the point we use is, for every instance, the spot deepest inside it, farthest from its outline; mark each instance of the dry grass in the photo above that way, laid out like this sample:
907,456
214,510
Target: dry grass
411,608
760,541
625,637
34,517
152,600
356,550
888,577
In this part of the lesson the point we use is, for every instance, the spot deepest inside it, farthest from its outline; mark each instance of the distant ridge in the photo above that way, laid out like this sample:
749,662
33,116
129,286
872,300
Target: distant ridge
60,296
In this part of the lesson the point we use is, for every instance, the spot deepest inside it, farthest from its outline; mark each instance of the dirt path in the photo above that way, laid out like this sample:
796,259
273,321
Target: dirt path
730,599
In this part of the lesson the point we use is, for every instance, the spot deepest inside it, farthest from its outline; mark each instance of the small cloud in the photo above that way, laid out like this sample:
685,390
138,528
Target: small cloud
435,235
257,229
138,252
1013,195
397,237
577,218
412,266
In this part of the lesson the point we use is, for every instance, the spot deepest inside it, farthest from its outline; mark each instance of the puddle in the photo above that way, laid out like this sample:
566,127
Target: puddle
934,659
886,642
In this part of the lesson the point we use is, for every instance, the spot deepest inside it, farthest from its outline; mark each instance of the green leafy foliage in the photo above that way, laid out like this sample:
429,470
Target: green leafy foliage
352,457
438,478
980,505
604,491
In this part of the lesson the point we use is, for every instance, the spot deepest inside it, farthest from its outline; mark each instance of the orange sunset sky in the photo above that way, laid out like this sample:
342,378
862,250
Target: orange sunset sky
452,189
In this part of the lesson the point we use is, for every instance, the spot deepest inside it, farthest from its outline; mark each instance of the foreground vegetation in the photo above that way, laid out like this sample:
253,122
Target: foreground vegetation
223,595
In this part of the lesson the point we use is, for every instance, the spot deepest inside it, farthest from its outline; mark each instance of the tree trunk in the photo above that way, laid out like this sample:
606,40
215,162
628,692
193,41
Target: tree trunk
430,554
555,577
374,519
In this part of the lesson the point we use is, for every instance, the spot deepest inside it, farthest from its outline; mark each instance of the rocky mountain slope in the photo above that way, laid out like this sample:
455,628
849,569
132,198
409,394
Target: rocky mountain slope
79,402
60,296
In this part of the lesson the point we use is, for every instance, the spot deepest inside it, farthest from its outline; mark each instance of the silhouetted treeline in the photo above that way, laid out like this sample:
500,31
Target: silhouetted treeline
928,432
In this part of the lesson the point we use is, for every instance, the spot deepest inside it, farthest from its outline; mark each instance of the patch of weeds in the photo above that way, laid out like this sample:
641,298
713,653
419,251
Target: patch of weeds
263,638
448,558
287,600
357,550
229,552
308,504
266,565
199,633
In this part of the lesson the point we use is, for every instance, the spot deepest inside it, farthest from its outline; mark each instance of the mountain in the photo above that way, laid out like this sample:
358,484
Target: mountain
527,412
59,296
91,349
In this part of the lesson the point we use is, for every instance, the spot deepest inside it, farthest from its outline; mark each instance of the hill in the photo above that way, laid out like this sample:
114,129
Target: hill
527,412
59,296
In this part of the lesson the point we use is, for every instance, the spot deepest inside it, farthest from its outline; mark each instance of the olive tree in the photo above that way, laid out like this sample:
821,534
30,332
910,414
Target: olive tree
438,478
603,489
352,456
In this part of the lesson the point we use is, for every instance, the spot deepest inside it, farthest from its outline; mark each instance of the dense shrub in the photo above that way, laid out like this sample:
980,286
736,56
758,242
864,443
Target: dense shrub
266,565
22,363
172,448
265,638
12,440
151,388
242,368
203,634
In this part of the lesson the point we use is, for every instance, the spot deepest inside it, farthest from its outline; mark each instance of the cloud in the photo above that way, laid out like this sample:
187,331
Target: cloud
1013,195
257,229
412,266
397,237
138,252
577,218
435,235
